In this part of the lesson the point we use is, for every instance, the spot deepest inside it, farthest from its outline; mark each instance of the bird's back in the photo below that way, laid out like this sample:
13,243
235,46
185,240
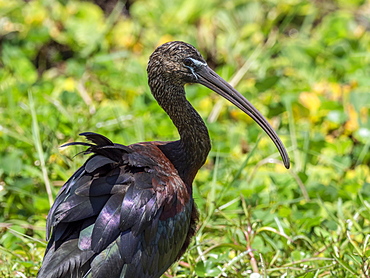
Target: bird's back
126,211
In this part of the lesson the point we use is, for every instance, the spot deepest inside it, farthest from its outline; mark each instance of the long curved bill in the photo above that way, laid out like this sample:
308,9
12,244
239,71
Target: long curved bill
207,77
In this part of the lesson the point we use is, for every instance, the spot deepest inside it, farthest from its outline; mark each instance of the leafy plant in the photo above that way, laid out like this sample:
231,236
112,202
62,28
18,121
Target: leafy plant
70,66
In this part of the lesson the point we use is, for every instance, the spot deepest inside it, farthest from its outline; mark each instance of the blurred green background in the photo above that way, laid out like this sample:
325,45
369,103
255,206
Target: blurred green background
71,66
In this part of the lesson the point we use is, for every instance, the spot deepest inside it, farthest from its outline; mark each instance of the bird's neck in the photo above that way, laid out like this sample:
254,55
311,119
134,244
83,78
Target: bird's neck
190,152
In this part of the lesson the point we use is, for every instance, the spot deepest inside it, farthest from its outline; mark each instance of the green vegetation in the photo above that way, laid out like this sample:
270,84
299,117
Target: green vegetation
68,66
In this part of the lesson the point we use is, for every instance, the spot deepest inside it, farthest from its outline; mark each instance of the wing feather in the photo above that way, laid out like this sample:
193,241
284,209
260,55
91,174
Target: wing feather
106,224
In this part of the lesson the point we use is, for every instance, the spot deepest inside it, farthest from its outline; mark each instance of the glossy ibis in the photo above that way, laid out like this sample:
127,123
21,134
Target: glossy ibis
129,211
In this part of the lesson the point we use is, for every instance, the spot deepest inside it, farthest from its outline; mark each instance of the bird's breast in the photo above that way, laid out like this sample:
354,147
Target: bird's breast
171,191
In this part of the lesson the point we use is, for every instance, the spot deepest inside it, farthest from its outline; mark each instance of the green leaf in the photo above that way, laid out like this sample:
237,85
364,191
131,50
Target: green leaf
267,83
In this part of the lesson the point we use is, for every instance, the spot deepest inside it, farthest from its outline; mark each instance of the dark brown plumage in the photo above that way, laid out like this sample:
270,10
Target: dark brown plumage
128,211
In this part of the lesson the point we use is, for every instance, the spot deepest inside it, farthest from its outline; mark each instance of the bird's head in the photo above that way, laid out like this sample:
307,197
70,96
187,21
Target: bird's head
176,63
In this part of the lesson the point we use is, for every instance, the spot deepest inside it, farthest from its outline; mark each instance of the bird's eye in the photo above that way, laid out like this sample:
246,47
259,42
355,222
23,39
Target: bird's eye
193,63
188,62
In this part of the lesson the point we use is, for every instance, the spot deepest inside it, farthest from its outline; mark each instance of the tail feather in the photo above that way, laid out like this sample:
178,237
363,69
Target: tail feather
97,139
101,145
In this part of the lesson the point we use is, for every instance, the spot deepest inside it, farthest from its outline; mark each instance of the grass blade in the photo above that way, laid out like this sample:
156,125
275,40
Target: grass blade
38,146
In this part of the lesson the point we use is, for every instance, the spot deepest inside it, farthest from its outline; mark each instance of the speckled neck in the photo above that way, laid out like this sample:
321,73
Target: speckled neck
190,152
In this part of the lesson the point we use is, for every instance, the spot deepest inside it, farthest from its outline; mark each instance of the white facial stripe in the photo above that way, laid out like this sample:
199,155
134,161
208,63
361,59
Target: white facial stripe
192,71
197,62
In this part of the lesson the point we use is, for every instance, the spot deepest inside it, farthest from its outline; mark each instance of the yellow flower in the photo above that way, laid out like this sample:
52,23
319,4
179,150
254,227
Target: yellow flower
310,101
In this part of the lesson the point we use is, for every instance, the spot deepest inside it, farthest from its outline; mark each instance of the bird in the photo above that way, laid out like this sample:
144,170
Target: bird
128,211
